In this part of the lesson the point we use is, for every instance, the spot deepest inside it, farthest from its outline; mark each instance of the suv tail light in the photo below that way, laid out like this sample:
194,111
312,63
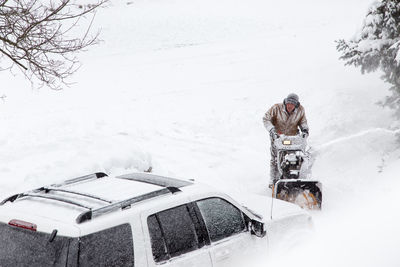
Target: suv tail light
23,224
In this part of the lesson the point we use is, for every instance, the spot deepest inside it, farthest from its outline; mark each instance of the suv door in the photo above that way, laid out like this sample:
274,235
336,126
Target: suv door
228,231
177,239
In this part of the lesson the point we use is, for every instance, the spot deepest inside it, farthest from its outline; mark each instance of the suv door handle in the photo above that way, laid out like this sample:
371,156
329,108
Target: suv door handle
222,255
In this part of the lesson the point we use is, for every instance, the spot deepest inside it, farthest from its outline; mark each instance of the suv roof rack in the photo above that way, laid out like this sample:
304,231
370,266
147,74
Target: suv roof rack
123,204
53,198
171,186
55,187
96,175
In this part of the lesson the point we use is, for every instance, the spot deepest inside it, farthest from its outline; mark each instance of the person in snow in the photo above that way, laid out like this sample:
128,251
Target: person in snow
284,118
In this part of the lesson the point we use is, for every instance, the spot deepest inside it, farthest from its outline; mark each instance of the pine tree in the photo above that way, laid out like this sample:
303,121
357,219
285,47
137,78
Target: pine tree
377,46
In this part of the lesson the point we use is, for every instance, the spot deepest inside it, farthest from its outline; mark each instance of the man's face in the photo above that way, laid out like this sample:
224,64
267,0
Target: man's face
290,107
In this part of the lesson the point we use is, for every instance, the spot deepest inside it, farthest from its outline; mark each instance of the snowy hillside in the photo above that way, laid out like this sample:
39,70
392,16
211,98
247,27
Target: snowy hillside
181,86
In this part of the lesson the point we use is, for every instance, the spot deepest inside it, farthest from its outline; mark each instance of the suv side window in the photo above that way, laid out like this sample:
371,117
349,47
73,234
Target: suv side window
158,246
110,247
172,233
222,219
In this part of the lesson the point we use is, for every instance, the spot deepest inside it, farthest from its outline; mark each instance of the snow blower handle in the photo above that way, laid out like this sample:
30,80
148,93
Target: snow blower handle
304,133
273,134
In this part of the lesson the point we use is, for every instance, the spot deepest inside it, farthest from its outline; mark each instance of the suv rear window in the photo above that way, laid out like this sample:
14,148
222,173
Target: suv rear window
21,247
172,233
110,247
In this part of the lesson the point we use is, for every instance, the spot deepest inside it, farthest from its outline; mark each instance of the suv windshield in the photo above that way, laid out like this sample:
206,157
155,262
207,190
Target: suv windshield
21,247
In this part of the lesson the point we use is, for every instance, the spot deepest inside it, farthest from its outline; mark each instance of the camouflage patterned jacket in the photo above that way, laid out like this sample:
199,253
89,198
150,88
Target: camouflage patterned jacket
285,123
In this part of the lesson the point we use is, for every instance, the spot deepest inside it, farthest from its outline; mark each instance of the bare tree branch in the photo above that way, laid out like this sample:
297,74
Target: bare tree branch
43,37
8,55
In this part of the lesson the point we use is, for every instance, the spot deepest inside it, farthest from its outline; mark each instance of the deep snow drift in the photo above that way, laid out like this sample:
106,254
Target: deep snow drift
182,86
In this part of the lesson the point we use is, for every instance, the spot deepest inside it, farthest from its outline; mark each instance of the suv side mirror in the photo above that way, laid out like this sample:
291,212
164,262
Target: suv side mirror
257,228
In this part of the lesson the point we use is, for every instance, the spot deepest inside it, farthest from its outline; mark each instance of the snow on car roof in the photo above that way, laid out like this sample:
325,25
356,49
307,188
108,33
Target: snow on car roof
107,189
113,188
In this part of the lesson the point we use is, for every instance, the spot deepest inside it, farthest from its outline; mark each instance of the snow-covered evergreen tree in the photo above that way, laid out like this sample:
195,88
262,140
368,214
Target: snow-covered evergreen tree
377,46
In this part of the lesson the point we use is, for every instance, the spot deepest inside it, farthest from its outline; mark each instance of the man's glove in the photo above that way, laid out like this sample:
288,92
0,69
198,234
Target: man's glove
304,133
273,134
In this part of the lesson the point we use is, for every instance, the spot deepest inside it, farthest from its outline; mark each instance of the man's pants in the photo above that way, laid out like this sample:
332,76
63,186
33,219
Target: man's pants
274,173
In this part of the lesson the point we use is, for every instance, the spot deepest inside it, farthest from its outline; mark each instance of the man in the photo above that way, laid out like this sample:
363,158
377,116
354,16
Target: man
284,118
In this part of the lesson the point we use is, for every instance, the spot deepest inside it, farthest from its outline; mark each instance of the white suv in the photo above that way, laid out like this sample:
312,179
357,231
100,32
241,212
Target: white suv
132,220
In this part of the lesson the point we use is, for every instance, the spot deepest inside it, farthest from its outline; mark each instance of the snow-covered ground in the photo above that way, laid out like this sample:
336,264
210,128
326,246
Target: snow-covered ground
182,85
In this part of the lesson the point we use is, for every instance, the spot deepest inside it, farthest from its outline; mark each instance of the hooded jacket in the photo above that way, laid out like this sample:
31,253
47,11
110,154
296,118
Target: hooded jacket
285,123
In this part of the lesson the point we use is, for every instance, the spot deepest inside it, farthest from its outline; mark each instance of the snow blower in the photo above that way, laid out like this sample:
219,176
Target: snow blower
294,183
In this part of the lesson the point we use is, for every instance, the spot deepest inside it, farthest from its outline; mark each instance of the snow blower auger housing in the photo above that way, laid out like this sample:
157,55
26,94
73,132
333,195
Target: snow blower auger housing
294,183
